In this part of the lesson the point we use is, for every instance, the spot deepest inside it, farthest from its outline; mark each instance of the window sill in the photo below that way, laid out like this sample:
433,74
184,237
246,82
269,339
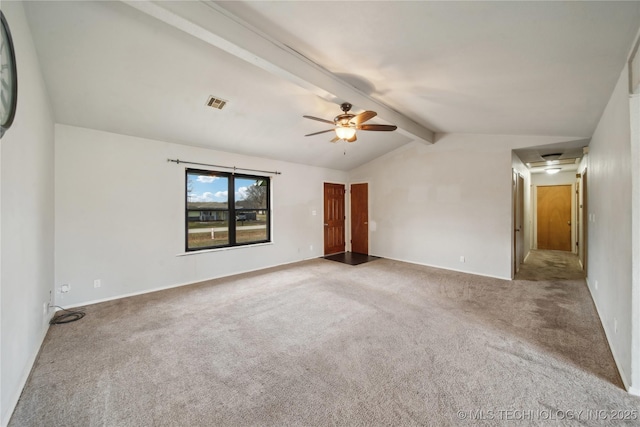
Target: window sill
227,248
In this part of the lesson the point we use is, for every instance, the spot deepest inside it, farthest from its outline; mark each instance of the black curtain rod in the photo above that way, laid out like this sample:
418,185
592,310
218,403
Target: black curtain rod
178,161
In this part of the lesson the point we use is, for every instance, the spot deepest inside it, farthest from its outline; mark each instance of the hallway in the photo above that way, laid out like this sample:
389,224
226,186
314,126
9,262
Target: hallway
550,265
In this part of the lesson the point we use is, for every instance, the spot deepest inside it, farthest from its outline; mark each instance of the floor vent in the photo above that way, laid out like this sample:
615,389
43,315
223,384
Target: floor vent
216,103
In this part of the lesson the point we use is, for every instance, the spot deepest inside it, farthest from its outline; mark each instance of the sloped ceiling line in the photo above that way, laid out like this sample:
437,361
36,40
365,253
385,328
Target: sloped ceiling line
215,25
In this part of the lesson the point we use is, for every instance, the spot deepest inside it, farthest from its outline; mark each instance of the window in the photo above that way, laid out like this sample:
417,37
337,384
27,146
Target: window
224,209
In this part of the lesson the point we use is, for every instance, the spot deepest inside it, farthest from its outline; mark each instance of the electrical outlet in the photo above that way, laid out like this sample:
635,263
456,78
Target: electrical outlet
462,259
97,283
45,308
595,284
311,247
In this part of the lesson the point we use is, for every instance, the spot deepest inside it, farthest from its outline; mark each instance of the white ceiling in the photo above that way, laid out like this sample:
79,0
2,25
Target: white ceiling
568,151
516,68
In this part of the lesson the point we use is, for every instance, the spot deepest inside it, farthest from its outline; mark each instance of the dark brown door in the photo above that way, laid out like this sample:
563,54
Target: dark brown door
360,218
334,218
518,220
554,217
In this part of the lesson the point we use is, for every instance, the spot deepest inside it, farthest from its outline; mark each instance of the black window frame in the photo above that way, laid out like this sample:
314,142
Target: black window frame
232,210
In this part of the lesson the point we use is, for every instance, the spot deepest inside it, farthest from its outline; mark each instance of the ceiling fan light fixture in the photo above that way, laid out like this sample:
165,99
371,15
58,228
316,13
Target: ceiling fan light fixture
345,132
346,124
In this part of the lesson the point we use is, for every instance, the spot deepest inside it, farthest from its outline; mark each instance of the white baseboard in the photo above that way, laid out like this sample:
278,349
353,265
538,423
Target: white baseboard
444,268
621,372
162,288
634,390
13,402
178,285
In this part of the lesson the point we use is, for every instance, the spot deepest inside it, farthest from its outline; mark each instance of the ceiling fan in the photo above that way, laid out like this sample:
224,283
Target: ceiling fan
346,124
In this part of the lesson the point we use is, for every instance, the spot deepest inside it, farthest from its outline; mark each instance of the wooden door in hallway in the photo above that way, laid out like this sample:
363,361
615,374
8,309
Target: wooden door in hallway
518,220
554,217
360,218
334,218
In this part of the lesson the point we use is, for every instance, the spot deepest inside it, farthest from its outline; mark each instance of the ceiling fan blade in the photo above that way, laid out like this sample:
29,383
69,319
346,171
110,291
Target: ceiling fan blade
318,133
335,139
378,127
319,119
363,117
353,138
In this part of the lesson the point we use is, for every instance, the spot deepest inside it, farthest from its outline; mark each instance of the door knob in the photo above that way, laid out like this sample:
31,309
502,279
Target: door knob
326,225
568,222
366,223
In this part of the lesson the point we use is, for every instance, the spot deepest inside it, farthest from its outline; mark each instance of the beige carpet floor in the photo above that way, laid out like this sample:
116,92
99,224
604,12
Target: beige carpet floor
324,343
550,265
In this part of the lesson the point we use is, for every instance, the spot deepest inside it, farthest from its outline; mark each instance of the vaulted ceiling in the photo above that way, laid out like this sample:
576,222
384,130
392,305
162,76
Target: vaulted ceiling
147,69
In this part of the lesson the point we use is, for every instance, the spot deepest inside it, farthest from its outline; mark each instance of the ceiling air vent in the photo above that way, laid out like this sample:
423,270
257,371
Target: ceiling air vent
552,156
216,103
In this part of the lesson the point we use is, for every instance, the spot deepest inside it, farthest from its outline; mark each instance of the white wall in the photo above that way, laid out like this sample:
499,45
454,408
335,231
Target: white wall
634,105
635,251
433,204
609,209
27,218
120,215
562,178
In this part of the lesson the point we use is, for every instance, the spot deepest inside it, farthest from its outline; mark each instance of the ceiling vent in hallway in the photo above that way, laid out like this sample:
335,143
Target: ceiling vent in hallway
216,103
551,157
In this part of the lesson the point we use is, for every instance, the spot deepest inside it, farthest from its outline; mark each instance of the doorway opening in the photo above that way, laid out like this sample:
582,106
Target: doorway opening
559,232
